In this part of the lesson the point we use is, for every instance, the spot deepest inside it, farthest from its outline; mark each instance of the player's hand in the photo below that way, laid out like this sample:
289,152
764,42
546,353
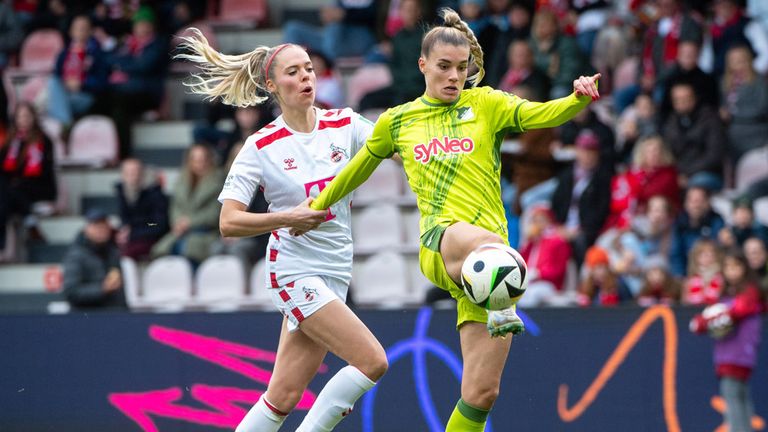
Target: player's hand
303,218
587,86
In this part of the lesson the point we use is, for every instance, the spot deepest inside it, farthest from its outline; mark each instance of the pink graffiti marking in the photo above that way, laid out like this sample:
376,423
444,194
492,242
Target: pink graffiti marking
226,403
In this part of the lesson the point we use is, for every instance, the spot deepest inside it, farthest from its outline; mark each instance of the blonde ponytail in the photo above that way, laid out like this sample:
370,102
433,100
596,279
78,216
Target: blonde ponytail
454,31
239,80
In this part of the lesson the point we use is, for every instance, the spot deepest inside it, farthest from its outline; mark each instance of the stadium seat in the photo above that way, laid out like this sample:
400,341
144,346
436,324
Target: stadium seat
384,184
752,166
365,80
382,280
93,141
131,284
761,210
220,282
167,283
376,227
259,294
411,220
39,51
241,13
419,284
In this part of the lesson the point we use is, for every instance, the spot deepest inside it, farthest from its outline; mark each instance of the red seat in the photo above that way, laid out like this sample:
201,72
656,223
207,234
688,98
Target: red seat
39,51
93,141
247,13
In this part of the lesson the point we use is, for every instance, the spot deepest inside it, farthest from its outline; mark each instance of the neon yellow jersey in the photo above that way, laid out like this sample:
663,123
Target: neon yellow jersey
450,152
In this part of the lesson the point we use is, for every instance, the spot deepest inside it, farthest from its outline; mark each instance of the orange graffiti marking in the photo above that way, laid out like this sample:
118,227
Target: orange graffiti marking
618,356
719,405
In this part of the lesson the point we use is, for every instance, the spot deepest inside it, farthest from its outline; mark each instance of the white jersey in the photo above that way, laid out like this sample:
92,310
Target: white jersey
290,166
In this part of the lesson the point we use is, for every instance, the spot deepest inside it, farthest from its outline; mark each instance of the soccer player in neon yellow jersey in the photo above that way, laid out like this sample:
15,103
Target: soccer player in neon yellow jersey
449,142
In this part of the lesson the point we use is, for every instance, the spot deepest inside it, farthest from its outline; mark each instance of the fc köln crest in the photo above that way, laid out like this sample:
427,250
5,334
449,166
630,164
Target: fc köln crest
338,153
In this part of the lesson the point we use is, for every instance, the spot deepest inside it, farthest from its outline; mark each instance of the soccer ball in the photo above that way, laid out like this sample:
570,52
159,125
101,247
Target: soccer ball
493,276
719,322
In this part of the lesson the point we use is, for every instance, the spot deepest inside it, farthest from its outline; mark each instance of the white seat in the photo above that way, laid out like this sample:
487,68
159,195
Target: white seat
418,282
384,184
259,295
366,79
131,284
167,283
751,167
220,282
93,141
411,227
382,280
376,227
761,210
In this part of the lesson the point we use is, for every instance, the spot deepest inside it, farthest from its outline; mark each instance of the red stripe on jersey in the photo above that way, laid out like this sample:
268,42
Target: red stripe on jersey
269,139
277,237
284,295
297,313
289,284
273,409
273,255
269,126
273,279
334,123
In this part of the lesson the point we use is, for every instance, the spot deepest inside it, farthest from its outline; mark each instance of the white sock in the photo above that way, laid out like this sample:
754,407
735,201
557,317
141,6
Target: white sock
263,417
336,400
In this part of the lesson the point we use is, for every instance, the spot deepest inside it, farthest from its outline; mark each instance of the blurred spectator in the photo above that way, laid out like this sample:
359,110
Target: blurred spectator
406,49
494,22
743,225
686,70
600,286
697,139
143,210
654,226
519,16
138,74
697,221
636,122
80,75
472,12
556,54
329,88
745,103
587,121
735,324
247,121
347,29
659,286
626,256
582,197
652,173
11,34
611,48
248,249
112,21
704,282
27,171
591,16
731,27
92,277
547,254
522,72
194,208
756,252
53,14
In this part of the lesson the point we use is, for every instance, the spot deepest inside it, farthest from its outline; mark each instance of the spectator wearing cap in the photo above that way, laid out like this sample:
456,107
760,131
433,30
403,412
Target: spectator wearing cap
697,221
659,286
697,139
743,225
547,254
581,200
92,277
138,74
587,120
600,286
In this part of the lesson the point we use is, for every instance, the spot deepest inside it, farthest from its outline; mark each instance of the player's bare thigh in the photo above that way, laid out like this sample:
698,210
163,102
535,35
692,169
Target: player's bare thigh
458,241
336,328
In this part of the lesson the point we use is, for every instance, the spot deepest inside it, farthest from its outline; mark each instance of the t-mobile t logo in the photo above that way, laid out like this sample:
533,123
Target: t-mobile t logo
320,185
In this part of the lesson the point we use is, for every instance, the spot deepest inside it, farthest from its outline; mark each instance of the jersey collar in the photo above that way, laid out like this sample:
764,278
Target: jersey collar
437,102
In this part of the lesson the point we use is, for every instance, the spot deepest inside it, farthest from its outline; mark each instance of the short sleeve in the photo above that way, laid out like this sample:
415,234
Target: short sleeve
362,128
503,107
244,176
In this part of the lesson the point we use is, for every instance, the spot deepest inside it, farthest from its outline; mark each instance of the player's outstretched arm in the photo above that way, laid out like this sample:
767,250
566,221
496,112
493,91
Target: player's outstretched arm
538,115
235,221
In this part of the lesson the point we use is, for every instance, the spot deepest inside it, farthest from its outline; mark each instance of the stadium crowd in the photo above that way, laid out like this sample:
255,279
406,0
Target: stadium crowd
637,199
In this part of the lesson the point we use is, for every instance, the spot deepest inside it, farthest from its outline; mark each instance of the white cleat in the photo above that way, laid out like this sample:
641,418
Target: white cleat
505,321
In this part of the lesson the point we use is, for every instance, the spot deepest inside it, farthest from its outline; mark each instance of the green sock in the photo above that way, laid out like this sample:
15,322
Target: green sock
466,418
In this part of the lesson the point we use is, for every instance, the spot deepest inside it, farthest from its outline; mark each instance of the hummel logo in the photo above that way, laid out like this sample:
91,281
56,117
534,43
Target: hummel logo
289,164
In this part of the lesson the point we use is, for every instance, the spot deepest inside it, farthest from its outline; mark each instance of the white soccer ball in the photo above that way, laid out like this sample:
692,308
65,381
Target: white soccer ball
494,276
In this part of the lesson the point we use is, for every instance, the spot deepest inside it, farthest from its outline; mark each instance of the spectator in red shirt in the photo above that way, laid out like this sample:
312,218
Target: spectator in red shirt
704,283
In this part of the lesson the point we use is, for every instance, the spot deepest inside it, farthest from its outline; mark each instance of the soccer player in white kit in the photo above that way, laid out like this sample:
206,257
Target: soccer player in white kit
292,159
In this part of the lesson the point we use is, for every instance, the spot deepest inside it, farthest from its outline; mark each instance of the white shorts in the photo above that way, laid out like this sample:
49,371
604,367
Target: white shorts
303,297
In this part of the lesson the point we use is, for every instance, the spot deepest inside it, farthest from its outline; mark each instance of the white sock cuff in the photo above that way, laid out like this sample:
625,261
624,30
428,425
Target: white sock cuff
269,410
356,376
